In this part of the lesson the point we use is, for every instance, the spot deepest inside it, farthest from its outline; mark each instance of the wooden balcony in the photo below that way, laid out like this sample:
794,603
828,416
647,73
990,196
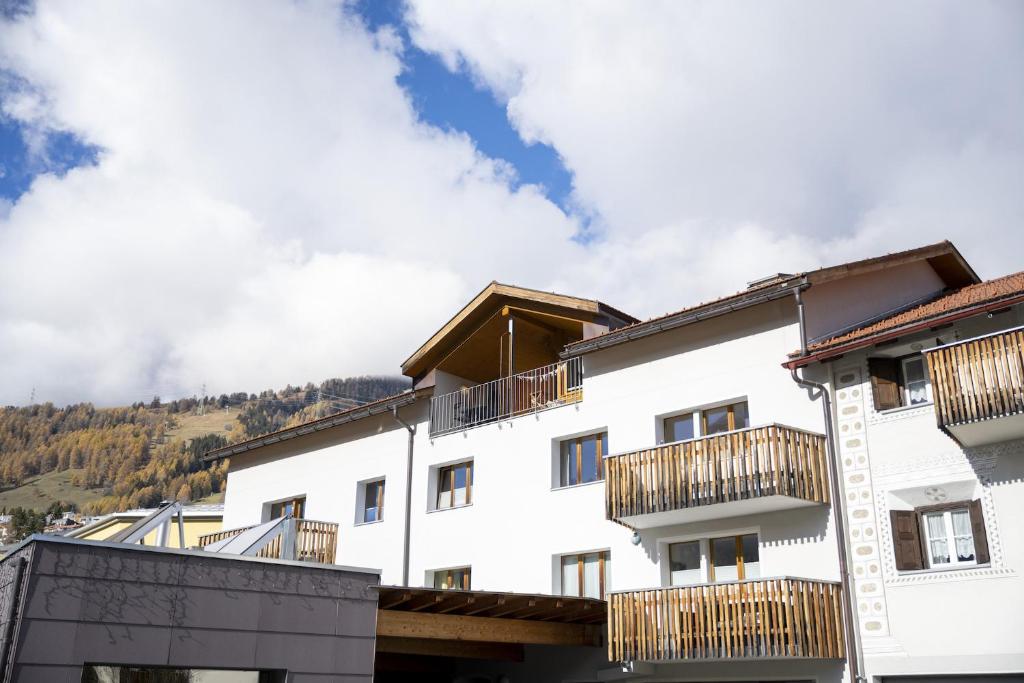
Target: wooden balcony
747,471
978,386
765,618
313,541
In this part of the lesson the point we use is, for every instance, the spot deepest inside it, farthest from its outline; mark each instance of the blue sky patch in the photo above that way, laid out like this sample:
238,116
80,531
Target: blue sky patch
451,101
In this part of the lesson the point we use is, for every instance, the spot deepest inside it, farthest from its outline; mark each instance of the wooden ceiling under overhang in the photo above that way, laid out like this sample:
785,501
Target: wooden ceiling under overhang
470,344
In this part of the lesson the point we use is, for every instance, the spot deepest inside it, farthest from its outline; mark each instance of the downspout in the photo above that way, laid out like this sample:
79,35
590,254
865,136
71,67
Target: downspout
408,495
855,656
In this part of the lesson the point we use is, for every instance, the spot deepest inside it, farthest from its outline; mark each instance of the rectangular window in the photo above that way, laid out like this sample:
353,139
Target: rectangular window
678,428
582,459
452,579
455,485
735,558
152,674
684,563
725,418
288,508
948,537
373,501
585,575
917,386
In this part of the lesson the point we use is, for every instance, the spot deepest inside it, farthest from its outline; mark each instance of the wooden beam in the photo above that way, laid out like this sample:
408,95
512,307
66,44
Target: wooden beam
484,629
505,652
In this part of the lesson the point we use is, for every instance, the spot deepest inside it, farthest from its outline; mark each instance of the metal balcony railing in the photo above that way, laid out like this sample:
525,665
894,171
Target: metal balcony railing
527,392
761,618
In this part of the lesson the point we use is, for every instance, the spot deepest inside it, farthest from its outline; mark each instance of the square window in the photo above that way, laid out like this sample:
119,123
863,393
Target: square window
735,558
455,485
581,459
685,563
949,539
678,428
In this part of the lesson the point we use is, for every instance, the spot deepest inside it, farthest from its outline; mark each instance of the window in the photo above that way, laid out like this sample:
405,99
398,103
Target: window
582,459
373,501
685,563
678,428
917,388
152,674
725,418
448,579
939,536
735,558
714,420
898,382
455,485
294,507
585,575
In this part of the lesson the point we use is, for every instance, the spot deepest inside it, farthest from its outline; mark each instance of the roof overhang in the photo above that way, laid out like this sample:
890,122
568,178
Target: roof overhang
833,352
492,298
385,405
686,317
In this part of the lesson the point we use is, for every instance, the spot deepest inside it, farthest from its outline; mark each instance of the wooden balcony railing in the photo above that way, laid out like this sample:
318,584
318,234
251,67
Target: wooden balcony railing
314,542
523,393
978,379
782,617
738,465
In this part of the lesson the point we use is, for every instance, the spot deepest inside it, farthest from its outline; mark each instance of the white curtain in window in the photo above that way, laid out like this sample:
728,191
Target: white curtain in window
592,576
963,535
937,538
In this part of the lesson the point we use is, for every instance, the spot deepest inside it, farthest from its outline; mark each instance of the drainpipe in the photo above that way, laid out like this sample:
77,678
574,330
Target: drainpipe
854,654
408,495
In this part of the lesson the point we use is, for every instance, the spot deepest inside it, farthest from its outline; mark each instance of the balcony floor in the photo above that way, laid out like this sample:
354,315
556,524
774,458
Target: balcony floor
738,508
993,430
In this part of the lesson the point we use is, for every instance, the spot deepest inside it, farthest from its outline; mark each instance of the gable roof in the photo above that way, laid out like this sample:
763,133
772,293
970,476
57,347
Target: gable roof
492,297
943,256
963,302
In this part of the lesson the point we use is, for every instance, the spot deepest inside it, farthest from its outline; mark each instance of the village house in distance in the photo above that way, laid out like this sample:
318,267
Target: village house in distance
818,478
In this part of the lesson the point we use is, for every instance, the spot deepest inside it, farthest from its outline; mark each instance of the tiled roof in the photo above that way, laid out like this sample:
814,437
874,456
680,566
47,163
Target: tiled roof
991,291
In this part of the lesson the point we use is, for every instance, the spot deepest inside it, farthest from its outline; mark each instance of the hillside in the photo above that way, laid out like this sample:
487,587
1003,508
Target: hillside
100,460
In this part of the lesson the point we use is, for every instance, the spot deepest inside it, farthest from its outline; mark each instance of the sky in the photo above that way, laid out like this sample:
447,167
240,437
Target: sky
245,194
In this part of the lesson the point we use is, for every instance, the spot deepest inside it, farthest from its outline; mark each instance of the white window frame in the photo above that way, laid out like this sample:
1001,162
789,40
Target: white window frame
361,501
947,518
906,384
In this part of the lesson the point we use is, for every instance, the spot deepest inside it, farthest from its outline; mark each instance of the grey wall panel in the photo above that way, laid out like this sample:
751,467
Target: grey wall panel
87,602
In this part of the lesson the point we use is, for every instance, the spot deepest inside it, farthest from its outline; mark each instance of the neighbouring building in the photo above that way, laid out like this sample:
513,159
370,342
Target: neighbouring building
727,478
198,520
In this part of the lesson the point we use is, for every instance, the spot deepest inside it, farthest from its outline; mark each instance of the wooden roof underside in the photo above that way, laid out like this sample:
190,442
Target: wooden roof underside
556,311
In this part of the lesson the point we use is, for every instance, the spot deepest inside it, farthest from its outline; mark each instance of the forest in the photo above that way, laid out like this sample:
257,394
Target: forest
131,456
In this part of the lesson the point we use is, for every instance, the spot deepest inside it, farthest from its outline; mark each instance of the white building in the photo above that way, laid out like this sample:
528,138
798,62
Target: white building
554,445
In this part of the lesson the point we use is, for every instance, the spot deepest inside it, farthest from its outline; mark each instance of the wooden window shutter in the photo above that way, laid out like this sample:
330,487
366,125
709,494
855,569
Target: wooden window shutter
906,539
980,536
885,383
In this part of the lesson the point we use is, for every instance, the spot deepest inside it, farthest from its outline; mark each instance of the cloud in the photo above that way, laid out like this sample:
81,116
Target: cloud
266,207
830,131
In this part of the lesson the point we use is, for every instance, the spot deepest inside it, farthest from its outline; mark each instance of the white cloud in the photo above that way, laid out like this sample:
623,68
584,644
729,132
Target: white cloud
828,130
267,208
